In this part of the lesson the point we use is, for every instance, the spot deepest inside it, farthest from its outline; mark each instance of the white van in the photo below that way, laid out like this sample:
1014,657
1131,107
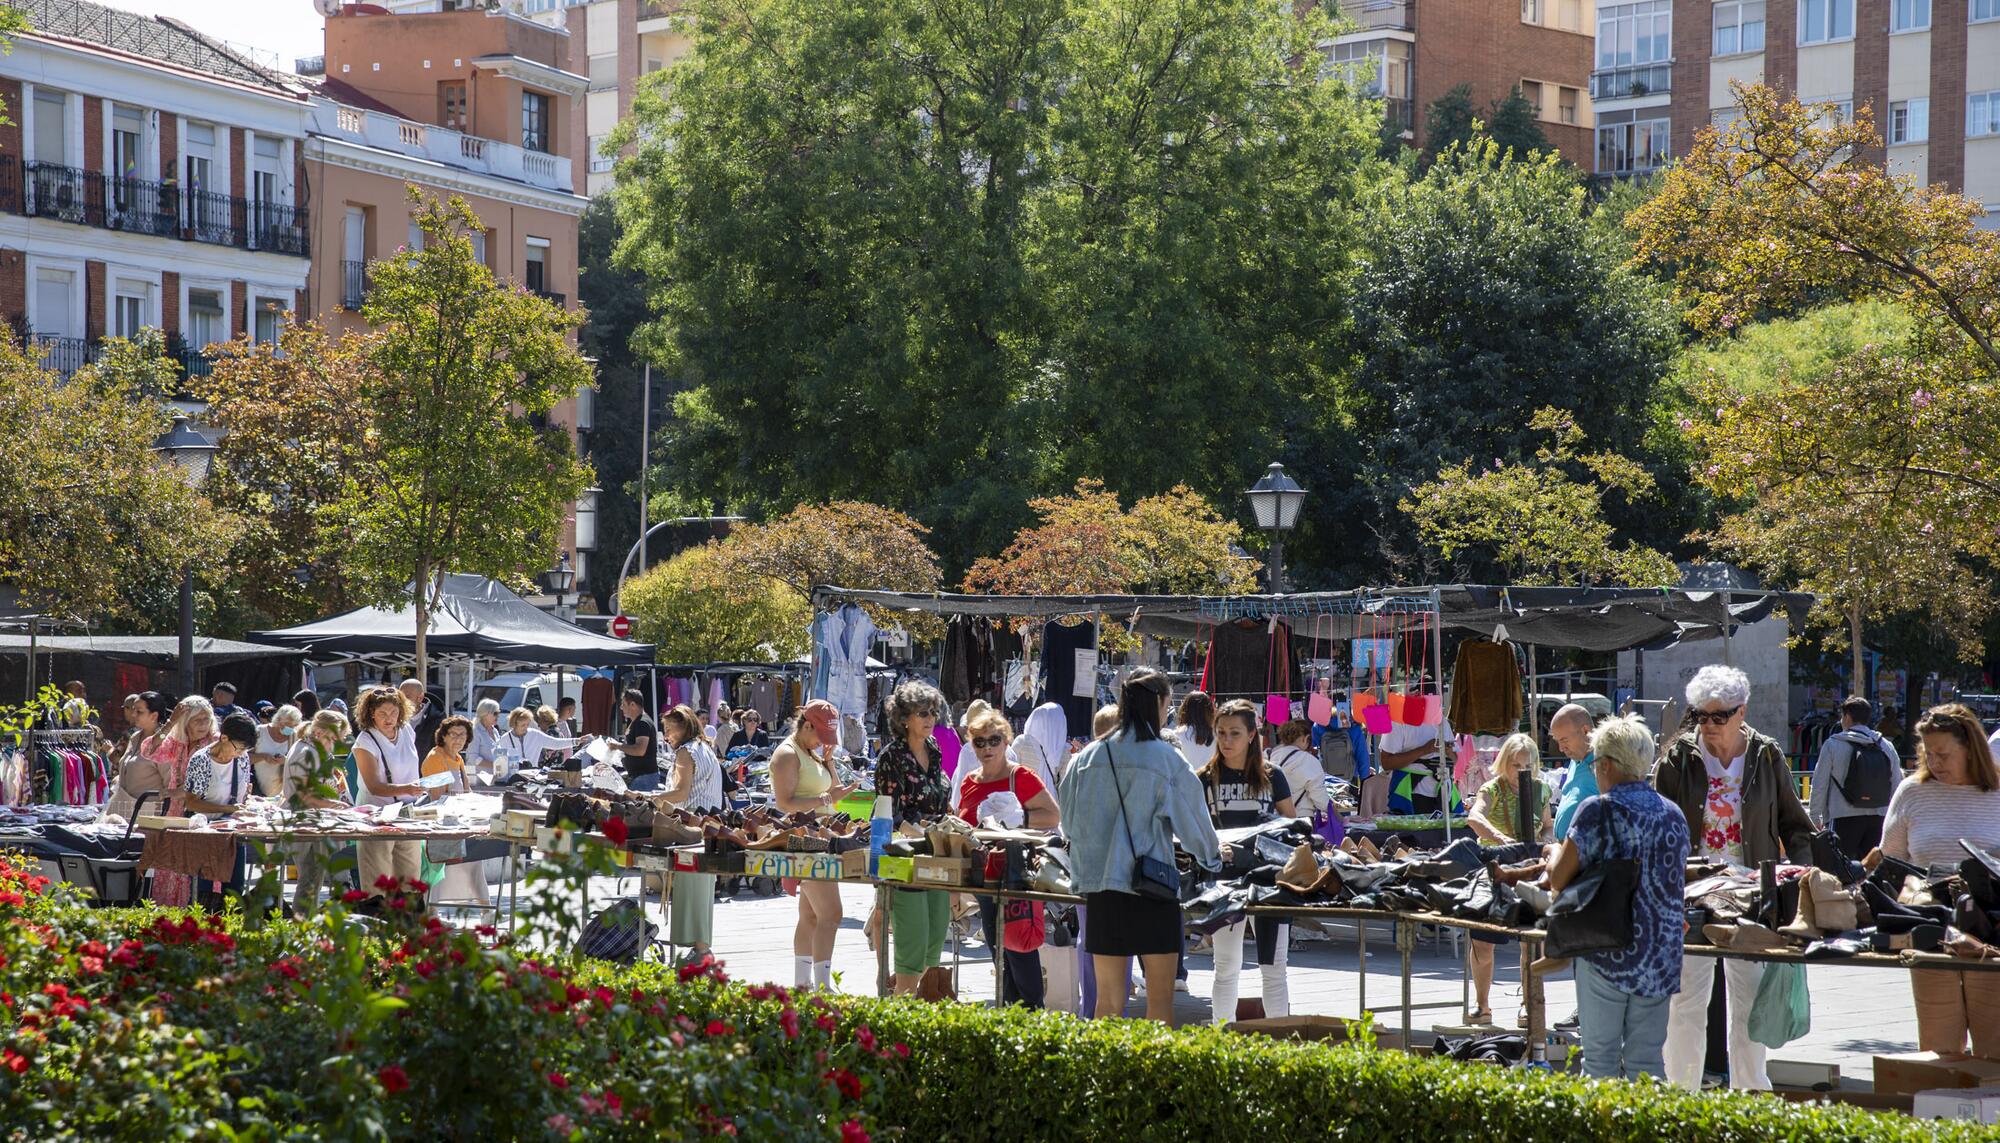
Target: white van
525,688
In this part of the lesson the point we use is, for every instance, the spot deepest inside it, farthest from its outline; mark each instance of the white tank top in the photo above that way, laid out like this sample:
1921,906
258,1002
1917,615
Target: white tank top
399,764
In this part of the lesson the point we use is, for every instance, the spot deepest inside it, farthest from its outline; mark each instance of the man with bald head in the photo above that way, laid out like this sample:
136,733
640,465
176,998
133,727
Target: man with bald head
1570,727
427,716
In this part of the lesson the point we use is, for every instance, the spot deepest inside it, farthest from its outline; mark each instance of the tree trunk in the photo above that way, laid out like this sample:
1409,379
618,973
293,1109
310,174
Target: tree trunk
423,590
1860,681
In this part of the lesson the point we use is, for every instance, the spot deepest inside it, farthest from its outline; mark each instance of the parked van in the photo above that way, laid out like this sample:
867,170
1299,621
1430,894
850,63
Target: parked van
526,688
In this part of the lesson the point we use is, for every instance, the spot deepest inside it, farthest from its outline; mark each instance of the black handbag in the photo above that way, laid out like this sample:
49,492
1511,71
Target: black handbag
1593,913
1151,877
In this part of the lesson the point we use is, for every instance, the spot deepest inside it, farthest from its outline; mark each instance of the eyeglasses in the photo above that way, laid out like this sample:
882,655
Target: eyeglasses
988,743
1717,717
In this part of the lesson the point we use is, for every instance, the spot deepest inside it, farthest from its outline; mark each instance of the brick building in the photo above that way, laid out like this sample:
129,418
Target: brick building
152,177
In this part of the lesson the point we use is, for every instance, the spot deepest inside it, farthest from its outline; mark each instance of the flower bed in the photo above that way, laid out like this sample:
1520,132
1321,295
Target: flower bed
147,1024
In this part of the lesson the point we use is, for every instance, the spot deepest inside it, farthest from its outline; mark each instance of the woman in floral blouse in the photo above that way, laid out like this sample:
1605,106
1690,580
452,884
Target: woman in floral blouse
909,775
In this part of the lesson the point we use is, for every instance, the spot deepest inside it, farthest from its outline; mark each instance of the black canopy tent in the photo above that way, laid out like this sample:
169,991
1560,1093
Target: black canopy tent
476,617
258,670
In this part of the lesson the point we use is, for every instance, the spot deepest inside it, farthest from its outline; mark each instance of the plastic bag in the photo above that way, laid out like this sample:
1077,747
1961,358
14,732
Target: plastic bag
1783,1009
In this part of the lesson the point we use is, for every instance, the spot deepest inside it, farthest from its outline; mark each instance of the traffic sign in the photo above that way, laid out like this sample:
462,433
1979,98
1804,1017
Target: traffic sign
621,626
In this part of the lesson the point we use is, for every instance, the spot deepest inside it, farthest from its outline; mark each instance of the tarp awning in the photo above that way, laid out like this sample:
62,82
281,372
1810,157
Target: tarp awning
1579,618
162,652
475,616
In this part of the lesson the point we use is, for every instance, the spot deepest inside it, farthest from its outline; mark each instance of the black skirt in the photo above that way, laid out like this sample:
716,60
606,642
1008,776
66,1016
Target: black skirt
1126,924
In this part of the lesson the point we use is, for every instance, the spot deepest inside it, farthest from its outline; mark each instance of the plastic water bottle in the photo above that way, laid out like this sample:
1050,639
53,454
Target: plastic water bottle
881,824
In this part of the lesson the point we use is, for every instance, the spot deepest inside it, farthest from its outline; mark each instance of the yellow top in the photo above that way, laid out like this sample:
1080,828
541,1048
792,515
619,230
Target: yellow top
439,760
814,778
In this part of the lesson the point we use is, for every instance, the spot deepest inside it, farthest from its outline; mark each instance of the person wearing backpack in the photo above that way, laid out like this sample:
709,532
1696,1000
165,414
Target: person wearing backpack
1854,779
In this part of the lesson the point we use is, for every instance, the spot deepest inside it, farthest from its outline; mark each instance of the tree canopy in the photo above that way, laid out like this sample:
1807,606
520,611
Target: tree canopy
940,257
1086,543
1452,120
694,611
843,544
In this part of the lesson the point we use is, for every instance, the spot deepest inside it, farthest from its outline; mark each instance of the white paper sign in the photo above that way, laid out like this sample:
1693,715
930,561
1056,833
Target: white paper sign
601,750
1086,674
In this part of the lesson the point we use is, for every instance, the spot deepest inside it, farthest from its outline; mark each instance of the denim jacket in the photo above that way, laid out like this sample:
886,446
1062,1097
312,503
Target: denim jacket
1164,800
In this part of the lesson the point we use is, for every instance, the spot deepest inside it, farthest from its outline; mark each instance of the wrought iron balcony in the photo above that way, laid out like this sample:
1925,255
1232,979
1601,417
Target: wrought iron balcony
353,285
141,206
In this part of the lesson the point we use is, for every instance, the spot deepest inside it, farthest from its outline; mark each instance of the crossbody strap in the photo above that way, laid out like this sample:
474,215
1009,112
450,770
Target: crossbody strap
1123,815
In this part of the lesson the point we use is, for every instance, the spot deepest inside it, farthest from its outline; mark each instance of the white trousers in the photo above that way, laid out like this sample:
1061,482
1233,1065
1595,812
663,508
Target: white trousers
1687,1024
1277,994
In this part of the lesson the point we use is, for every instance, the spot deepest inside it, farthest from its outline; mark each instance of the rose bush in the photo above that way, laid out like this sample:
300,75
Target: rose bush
147,1023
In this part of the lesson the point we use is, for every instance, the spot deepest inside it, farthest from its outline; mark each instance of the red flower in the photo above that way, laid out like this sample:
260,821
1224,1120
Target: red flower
15,1061
902,1051
614,828
824,1023
354,896
392,1079
388,883
848,1083
418,886
865,1038
851,1132
557,1079
716,1028
789,1021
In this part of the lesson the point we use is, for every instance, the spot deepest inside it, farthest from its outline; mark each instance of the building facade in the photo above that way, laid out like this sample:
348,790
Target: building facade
151,178
1928,69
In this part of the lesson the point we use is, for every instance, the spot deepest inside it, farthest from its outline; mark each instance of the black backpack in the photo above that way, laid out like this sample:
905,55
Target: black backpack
1871,776
619,934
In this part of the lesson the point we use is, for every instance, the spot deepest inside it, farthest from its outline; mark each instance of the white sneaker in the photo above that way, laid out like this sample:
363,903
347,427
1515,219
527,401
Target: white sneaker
1180,986
1139,988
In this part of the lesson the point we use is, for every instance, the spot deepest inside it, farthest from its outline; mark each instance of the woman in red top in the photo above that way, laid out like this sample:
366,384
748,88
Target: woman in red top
997,776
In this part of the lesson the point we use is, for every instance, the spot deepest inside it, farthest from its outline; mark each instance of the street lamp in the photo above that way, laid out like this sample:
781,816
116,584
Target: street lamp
1275,500
558,580
191,454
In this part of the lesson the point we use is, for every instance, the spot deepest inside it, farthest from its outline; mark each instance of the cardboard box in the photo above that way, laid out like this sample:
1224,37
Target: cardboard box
1912,1072
854,863
941,870
1974,1104
522,824
895,868
155,821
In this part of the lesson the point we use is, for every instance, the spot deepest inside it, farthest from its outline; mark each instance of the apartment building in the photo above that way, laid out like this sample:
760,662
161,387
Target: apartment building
1929,69
1420,49
151,177
465,101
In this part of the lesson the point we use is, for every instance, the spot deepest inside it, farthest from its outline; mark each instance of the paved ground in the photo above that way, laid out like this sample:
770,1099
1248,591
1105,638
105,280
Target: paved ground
1857,1012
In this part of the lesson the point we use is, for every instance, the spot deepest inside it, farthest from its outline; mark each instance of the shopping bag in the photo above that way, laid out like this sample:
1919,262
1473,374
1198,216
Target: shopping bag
1277,710
1319,708
1398,703
1422,710
1783,1009
1377,720
1362,701
1025,929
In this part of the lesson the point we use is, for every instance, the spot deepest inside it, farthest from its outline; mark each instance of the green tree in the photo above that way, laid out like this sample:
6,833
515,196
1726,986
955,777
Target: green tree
88,512
694,611
1490,293
1539,522
843,544
461,473
1174,543
1451,121
938,256
615,299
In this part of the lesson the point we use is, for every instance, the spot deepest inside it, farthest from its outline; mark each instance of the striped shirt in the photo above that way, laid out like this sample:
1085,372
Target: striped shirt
1926,819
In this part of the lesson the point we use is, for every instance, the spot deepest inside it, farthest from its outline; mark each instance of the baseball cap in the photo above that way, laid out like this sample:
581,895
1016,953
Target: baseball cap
823,718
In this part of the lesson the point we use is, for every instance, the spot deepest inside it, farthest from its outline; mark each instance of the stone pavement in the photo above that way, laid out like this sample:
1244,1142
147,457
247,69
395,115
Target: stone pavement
1857,1012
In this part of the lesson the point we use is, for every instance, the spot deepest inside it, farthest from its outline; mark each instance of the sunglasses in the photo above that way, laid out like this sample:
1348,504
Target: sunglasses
1717,717
988,743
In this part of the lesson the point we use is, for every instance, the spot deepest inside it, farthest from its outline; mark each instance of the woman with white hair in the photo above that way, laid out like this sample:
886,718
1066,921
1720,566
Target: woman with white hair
1623,997
1496,818
1734,789
485,736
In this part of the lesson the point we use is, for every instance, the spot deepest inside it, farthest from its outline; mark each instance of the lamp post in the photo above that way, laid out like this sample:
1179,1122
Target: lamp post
191,454
1275,500
559,581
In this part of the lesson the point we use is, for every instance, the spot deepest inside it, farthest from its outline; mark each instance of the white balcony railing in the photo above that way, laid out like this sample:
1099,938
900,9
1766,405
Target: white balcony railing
439,144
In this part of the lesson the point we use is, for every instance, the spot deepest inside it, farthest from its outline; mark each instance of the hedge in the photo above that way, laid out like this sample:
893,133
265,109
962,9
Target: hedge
147,1024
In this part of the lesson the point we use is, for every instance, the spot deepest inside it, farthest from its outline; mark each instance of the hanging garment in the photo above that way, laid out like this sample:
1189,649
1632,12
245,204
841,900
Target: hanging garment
1252,659
1059,661
966,658
846,637
715,699
600,695
1485,688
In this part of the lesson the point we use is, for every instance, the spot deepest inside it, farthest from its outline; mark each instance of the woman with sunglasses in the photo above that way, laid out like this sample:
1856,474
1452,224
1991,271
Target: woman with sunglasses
1734,786
910,774
1013,793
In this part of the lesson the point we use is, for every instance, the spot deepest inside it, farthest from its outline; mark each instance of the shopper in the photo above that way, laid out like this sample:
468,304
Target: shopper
1293,757
448,756
188,732
1954,795
1243,791
1194,728
75,713
725,731
485,752
274,742
566,717
1413,762
910,773
222,700
1734,788
754,734
642,742
1014,793
1571,727
425,715
1044,743
385,756
135,774
697,785
1857,761
314,780
1495,818
308,703
1125,797
1623,997
802,781
525,744
967,761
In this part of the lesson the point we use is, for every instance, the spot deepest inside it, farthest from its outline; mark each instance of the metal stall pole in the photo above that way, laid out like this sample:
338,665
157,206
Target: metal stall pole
1444,740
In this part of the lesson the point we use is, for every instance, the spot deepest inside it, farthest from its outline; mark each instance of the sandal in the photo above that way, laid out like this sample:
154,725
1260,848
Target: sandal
1481,1016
